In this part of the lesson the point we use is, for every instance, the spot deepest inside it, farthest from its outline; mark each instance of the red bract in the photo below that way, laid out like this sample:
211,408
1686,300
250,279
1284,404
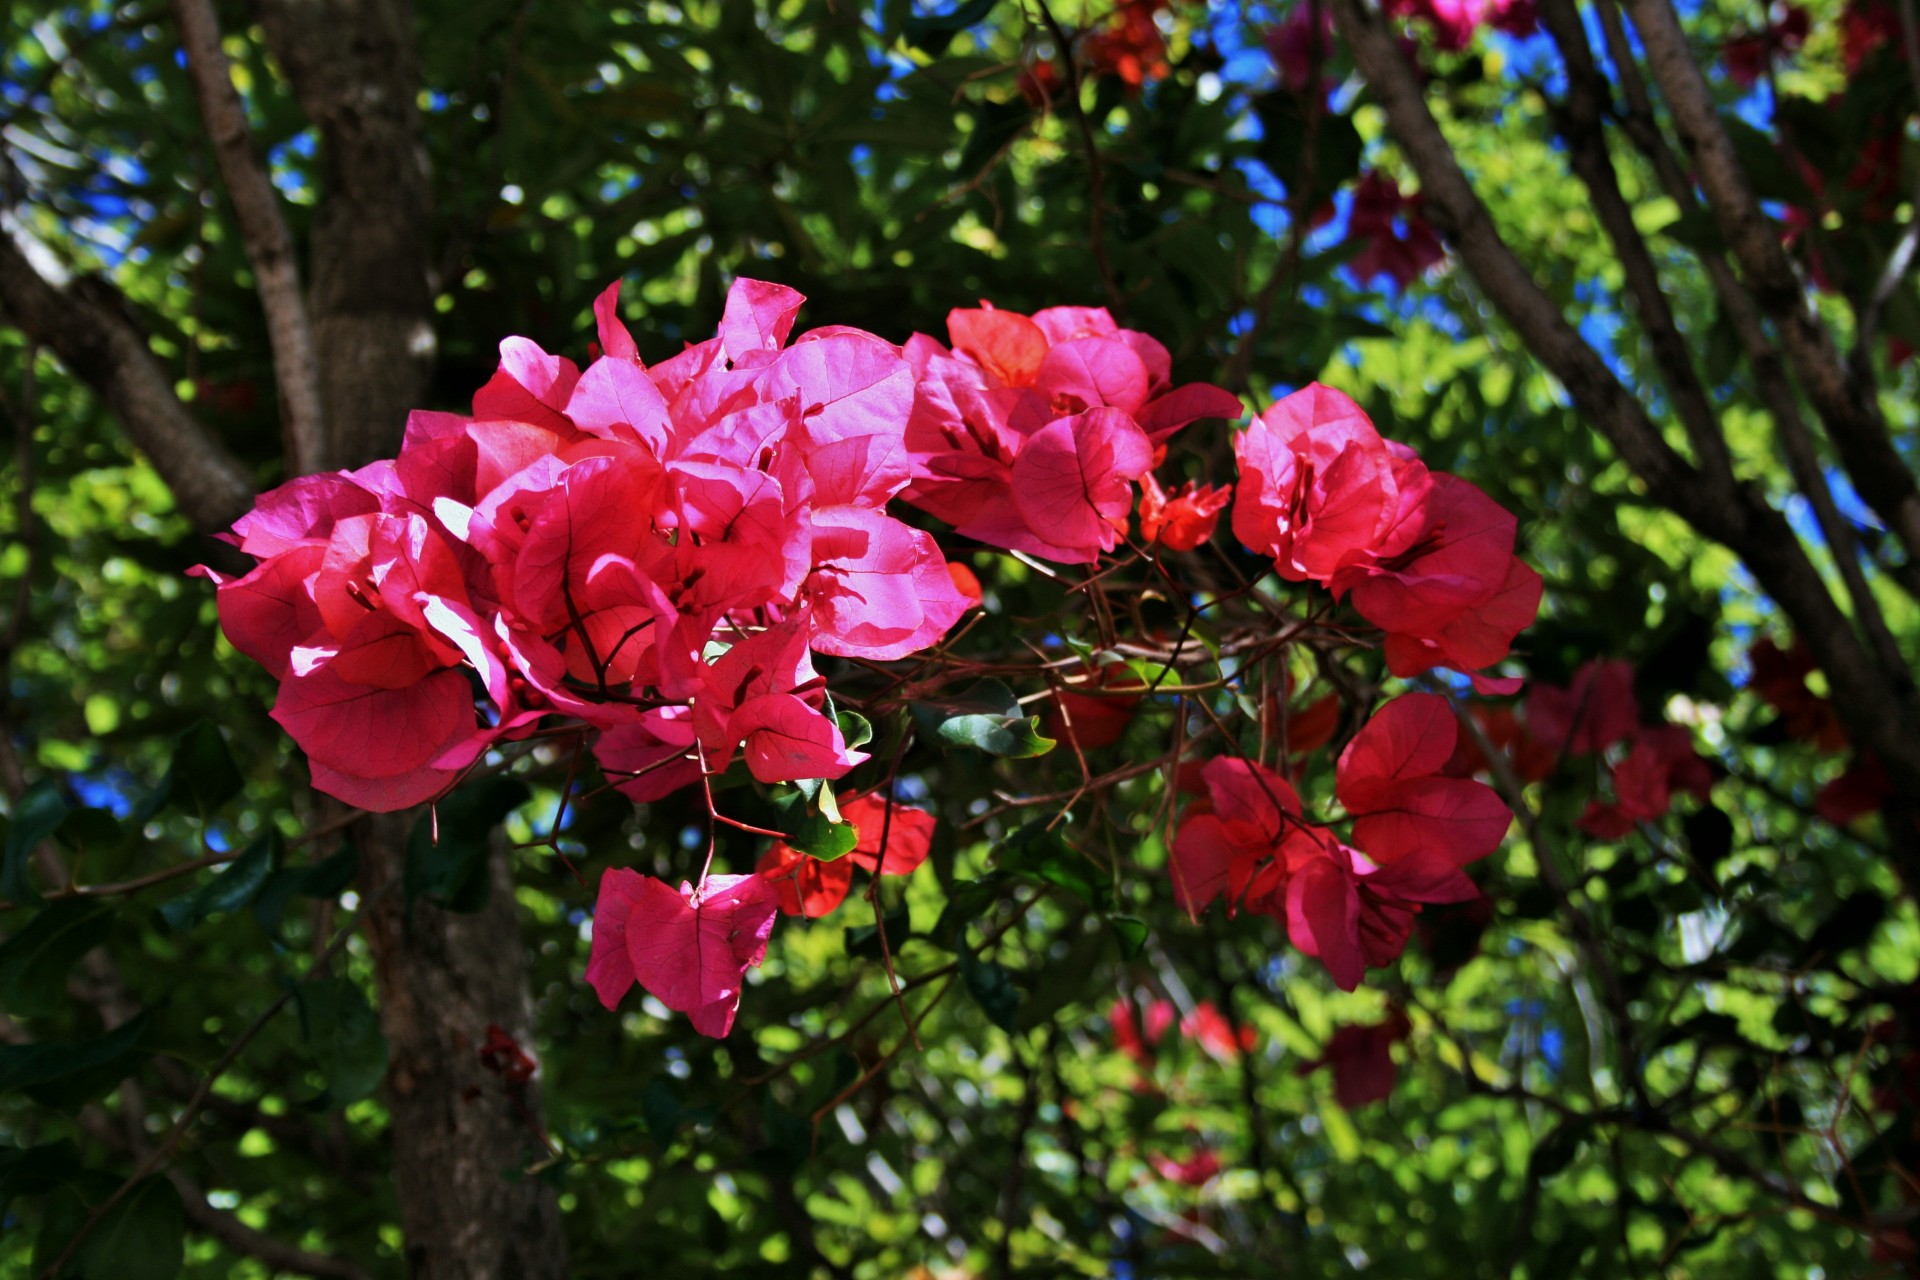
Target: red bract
1780,676
893,846
1213,1031
1301,46
1389,778
1661,762
1129,46
1095,720
1864,27
1395,240
1592,713
1184,519
1748,55
1362,1060
1248,843
1195,1171
689,950
1031,432
1862,788
1457,596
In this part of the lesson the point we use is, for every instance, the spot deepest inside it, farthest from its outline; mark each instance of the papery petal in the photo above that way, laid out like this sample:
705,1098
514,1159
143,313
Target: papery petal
691,951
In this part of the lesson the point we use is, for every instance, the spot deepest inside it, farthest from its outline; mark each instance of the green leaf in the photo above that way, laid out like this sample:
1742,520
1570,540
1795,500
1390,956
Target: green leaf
343,1038
810,818
36,815
64,1075
1045,855
988,717
200,777
1130,933
32,1171
327,879
452,870
237,884
826,840
864,939
854,727
204,774
34,962
992,988
141,1238
964,906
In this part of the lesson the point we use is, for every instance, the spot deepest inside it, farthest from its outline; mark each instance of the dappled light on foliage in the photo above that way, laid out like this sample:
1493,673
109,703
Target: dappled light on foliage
965,639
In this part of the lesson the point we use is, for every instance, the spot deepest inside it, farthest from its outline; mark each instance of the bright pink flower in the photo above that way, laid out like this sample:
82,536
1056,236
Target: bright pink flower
1320,491
688,949
1031,432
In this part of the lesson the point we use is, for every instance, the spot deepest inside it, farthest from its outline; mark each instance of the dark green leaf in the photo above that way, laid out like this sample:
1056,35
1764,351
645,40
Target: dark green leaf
1131,934
1045,855
203,771
142,1237
864,939
343,1039
36,815
63,1075
327,879
988,717
992,988
34,962
32,1171
237,884
965,905
931,30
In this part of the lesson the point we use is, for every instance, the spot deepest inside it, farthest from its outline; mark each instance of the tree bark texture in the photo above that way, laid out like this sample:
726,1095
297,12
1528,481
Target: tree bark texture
461,1132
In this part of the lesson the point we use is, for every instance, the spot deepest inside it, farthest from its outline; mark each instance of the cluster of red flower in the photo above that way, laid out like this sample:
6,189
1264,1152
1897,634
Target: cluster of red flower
649,558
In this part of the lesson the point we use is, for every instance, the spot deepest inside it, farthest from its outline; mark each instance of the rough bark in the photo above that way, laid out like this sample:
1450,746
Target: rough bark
1854,423
461,1133
354,67
458,1139
263,231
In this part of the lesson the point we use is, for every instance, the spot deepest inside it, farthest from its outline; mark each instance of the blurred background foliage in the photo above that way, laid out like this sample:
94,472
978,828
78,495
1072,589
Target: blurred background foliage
1722,1111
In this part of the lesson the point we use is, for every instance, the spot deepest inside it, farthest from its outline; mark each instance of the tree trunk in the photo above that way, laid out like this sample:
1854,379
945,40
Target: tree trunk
461,1131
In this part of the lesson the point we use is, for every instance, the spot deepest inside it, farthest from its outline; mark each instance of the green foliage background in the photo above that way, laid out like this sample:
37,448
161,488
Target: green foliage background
887,165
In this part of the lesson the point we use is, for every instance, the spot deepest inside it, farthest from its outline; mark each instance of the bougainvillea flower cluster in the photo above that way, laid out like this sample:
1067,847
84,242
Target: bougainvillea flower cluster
1425,556
1031,431
650,558
1349,901
655,552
